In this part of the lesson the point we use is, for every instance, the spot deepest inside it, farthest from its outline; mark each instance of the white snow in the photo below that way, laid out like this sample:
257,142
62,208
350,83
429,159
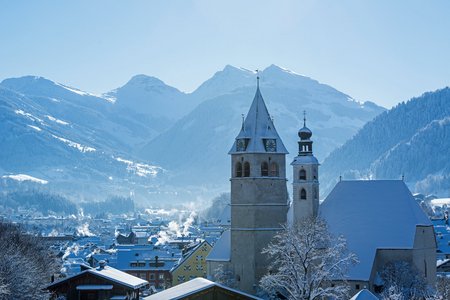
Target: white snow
182,291
24,177
371,215
56,120
139,169
35,127
28,115
364,295
78,146
440,202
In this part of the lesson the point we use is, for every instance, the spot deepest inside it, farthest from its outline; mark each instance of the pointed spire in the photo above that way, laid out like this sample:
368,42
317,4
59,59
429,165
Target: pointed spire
243,118
304,118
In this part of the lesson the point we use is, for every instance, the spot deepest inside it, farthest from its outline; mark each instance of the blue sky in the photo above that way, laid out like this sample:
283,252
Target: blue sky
384,51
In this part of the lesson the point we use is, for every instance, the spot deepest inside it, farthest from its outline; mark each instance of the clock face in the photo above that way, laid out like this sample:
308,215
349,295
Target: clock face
241,144
271,145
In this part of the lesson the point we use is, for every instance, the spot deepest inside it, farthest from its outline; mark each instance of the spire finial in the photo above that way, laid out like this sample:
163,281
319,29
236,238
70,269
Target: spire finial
304,118
257,78
242,121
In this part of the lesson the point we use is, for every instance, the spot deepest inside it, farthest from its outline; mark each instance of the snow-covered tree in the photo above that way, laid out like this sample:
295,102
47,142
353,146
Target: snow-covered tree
403,281
306,261
224,276
443,287
25,265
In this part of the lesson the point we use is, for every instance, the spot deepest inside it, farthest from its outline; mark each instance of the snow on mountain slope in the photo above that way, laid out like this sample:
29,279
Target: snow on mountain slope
410,140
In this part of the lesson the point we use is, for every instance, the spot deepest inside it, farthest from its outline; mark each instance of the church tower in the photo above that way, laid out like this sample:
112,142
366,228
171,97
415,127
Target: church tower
259,198
305,197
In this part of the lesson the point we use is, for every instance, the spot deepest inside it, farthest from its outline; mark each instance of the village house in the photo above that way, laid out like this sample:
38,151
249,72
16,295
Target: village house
192,264
100,283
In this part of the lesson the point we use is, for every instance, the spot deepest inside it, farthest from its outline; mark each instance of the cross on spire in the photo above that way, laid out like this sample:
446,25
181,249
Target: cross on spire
257,78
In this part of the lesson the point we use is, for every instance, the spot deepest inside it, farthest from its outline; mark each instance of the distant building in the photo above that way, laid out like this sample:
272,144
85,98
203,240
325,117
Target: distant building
192,265
99,283
201,288
149,263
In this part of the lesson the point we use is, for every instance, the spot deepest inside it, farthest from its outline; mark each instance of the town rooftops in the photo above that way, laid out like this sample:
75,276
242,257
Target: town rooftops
222,248
371,215
109,274
184,290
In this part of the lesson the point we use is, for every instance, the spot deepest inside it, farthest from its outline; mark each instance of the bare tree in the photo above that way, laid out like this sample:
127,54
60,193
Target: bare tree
403,281
443,287
306,261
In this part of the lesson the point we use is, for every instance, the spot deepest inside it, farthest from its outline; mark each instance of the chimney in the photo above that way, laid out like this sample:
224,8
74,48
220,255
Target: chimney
101,265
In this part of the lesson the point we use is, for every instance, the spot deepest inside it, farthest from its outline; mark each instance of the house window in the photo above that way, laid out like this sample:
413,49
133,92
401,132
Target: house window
246,169
187,268
152,276
264,169
274,169
199,268
181,278
302,174
357,286
199,257
303,194
238,169
142,276
161,276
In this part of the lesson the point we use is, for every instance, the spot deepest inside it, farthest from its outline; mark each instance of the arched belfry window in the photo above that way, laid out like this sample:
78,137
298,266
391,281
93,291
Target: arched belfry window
303,194
264,169
246,169
302,174
238,169
274,169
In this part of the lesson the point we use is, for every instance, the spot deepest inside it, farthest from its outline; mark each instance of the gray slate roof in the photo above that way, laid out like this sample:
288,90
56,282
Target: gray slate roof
257,126
371,215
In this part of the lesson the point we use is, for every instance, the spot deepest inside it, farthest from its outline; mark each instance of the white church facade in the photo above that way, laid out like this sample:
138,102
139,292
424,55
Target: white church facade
380,219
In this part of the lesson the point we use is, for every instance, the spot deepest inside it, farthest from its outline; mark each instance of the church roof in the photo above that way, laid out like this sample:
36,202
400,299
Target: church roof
371,215
222,248
257,126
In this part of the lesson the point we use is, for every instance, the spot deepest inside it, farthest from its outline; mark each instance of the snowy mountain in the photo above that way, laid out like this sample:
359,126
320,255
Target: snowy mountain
195,148
150,139
410,140
67,140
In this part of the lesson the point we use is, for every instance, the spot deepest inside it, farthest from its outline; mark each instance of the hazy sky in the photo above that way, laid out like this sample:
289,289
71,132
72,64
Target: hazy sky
384,51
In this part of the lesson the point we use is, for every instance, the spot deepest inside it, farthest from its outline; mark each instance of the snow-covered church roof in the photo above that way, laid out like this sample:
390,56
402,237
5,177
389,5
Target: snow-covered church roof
257,127
222,248
371,215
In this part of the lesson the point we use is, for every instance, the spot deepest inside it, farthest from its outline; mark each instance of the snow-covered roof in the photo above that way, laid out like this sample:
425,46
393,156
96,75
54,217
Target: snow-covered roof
191,287
364,295
258,126
371,215
111,274
222,248
305,160
118,276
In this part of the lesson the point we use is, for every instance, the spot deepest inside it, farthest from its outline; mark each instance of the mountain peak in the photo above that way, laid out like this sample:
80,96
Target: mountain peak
145,80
